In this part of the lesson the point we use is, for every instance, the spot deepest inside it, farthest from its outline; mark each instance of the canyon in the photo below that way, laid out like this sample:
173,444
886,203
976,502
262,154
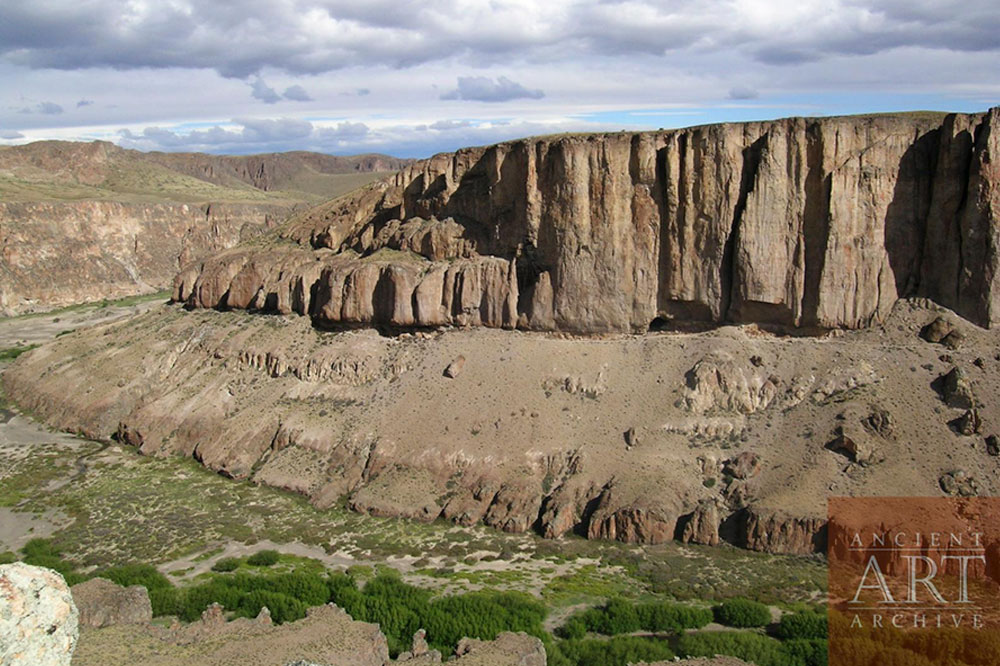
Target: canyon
697,334
86,222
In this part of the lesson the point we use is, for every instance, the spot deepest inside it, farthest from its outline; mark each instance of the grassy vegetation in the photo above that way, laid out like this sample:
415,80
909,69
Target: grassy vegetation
12,353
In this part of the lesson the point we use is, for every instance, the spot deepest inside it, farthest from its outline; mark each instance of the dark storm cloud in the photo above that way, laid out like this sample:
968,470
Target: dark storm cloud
485,89
240,38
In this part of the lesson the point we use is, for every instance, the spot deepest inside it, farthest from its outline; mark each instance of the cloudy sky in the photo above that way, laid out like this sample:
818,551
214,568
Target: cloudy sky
414,77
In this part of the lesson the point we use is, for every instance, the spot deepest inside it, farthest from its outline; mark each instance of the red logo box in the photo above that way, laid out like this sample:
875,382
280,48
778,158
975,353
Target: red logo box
914,581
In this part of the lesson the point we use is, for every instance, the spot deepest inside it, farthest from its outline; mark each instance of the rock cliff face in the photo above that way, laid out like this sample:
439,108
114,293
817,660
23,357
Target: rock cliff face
797,223
59,253
86,221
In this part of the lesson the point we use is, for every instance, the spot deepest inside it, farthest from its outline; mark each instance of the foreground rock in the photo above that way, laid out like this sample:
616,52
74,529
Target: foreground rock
103,604
38,619
796,223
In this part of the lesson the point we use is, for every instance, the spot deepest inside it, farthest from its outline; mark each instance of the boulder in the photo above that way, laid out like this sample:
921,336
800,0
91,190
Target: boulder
104,604
743,466
993,445
454,368
39,623
956,389
855,444
937,330
958,483
968,423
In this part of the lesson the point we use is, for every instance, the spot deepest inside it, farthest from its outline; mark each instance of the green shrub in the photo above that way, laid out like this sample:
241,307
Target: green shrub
742,613
226,564
662,616
136,574
574,628
282,607
755,648
801,625
166,601
44,553
614,652
810,652
264,558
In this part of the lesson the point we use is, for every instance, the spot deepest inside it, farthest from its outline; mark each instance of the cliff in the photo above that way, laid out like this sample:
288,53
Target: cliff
56,253
798,223
88,221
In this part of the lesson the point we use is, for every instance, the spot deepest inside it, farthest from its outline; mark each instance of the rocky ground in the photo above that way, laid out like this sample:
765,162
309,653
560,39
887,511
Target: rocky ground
732,433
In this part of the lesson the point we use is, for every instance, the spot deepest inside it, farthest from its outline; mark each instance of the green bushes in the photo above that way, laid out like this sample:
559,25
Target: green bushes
136,574
801,625
621,617
614,652
402,609
742,613
43,553
226,564
290,593
7,557
672,617
264,558
756,648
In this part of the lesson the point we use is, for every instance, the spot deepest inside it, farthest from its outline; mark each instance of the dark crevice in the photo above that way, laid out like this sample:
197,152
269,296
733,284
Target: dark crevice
748,179
816,223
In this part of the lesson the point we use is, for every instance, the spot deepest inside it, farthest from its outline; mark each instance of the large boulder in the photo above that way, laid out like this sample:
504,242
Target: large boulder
104,604
38,619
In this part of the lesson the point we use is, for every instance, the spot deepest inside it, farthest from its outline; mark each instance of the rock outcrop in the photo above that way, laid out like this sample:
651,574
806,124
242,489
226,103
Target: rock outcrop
796,223
508,648
38,619
59,253
90,221
102,603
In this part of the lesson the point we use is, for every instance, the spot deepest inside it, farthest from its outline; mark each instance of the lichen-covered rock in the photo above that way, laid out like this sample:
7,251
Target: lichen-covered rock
38,619
102,603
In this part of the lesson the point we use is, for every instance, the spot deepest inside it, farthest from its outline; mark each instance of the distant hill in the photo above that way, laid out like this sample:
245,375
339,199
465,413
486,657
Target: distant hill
91,221
65,170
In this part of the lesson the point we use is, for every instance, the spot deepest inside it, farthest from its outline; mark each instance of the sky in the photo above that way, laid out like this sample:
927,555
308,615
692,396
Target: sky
416,77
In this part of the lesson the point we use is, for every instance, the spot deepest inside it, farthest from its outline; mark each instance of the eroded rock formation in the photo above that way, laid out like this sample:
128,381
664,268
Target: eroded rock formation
797,223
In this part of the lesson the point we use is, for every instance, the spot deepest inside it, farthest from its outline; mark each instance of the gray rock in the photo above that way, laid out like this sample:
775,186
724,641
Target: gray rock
38,619
104,604
993,445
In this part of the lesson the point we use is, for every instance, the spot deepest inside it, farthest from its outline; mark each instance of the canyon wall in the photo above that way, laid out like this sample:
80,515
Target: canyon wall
61,253
796,223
